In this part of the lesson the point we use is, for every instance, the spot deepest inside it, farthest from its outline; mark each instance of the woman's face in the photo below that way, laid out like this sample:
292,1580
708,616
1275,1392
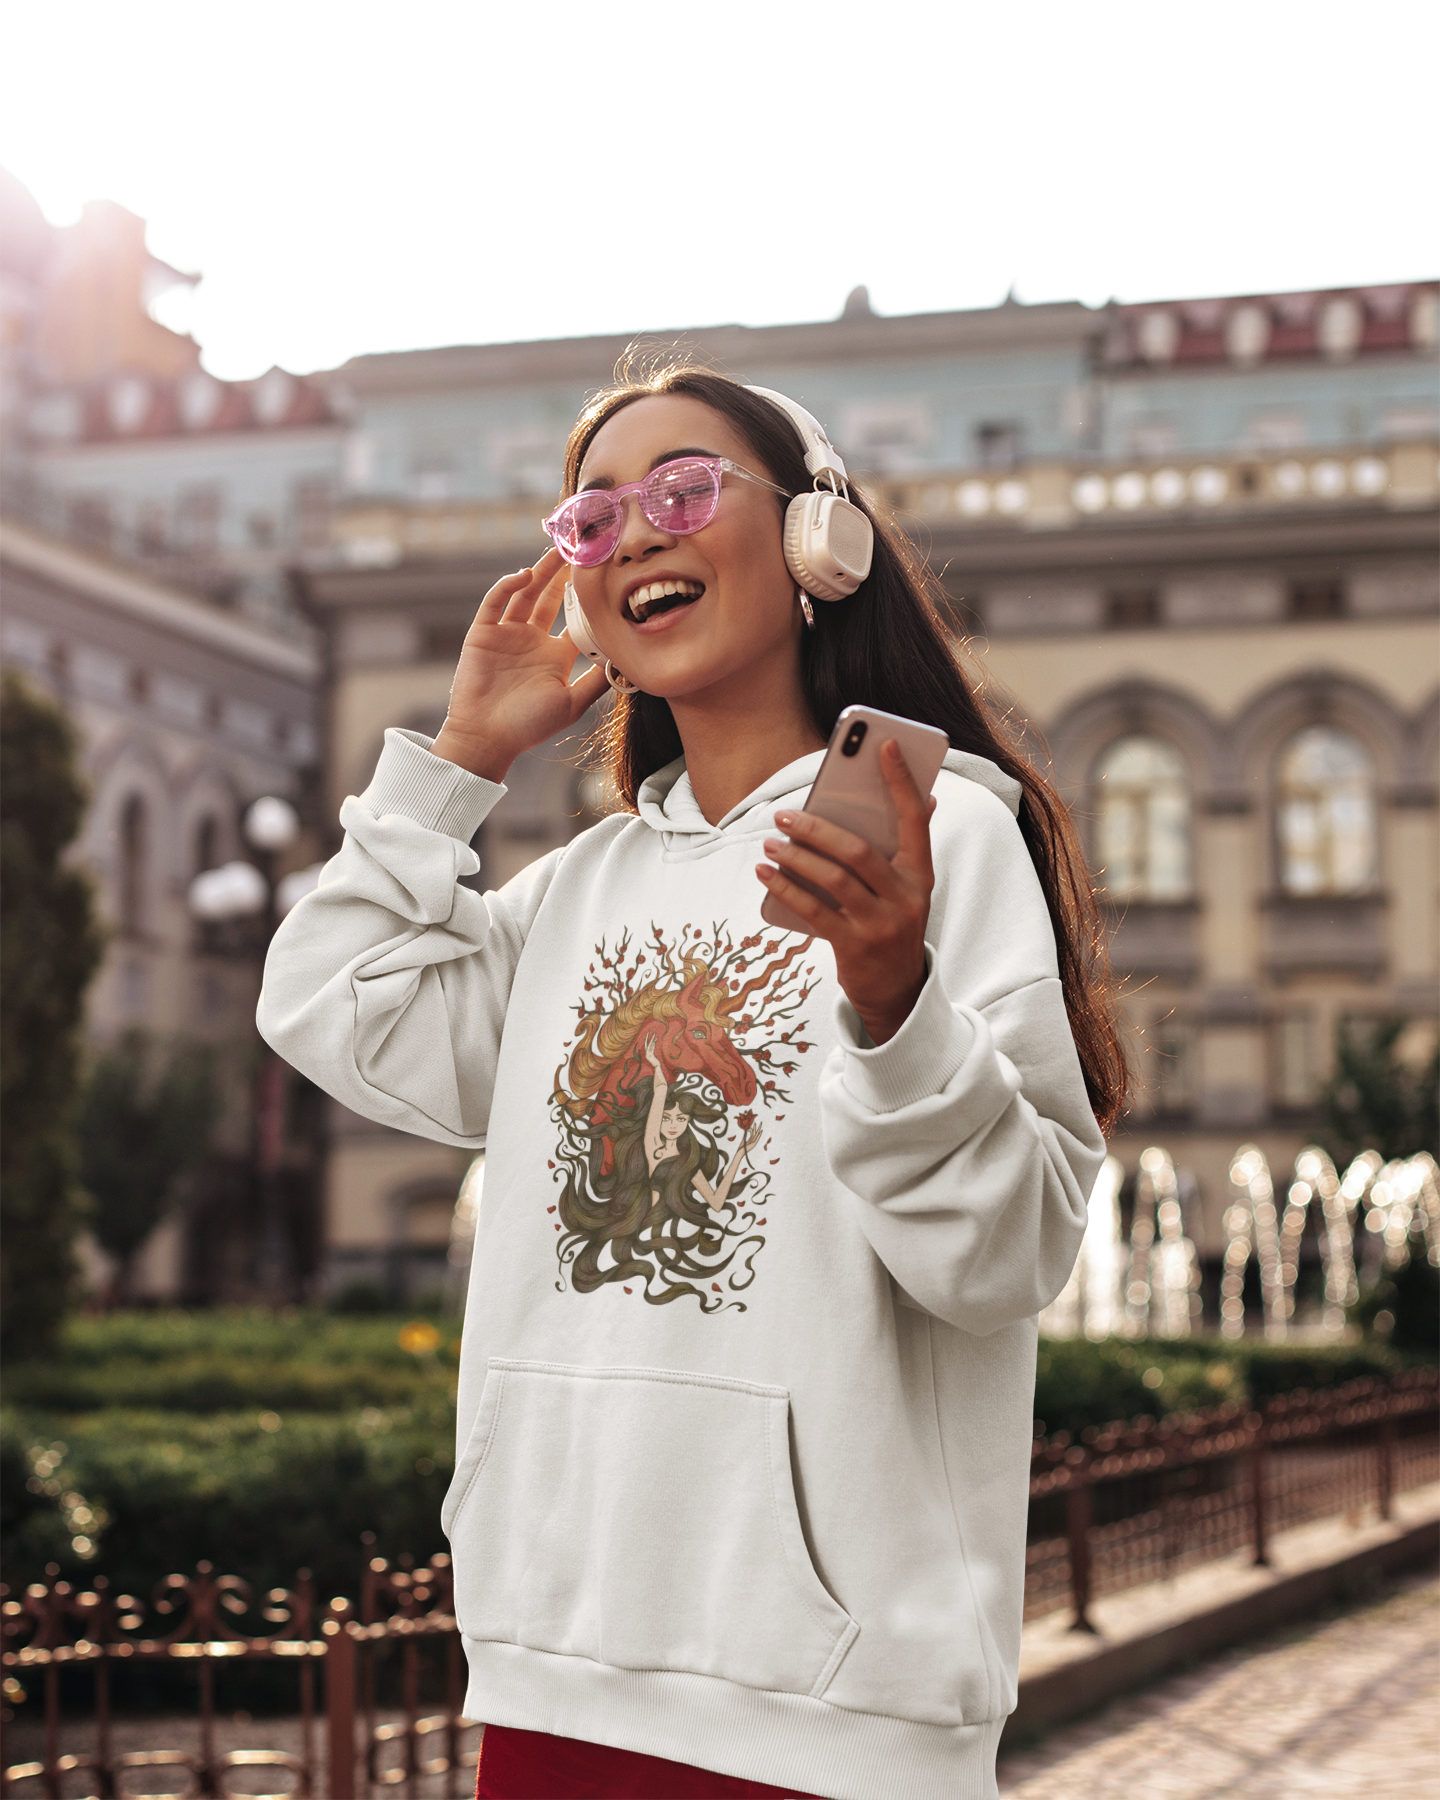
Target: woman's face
743,613
672,1124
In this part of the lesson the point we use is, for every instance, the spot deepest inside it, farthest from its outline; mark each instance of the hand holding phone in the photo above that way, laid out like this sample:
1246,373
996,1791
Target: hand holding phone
851,791
866,890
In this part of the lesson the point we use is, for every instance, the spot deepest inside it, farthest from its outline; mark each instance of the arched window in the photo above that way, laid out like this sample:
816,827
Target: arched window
1325,815
134,852
1142,824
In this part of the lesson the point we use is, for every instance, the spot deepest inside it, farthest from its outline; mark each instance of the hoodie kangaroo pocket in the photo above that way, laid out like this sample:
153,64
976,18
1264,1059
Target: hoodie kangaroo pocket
643,1519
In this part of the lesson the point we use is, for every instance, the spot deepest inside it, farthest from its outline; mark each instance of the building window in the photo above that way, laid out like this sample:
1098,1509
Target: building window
1326,813
1132,609
1142,808
1173,1071
999,444
197,518
1293,1059
312,499
92,523
1316,600
134,852
887,437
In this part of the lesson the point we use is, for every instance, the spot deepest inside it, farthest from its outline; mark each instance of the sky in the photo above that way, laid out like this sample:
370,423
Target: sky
361,177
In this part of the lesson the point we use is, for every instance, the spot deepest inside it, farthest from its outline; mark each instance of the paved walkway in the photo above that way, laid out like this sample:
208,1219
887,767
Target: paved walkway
1343,1710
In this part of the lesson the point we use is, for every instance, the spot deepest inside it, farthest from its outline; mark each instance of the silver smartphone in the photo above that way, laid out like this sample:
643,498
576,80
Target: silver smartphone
850,789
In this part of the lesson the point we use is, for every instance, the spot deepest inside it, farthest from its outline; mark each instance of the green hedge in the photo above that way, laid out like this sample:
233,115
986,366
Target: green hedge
226,1361
260,1495
264,1442
267,1443
1078,1384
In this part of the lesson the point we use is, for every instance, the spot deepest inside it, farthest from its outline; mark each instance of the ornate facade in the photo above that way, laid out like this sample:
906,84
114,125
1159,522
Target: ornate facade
1189,546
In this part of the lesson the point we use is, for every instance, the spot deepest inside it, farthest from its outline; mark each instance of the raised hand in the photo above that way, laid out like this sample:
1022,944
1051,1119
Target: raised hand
878,934
512,686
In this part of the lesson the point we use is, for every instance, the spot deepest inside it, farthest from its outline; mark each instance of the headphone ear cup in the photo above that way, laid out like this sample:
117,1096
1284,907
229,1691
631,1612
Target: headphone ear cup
829,544
579,626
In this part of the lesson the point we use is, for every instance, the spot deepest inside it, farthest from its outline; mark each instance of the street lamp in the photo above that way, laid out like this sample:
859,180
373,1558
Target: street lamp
247,890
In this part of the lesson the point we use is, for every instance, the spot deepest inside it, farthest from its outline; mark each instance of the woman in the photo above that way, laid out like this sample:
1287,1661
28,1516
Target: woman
667,1122
629,1203
766,1534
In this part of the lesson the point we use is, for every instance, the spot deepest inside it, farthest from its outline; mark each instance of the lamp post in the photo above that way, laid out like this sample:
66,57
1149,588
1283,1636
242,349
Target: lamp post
248,890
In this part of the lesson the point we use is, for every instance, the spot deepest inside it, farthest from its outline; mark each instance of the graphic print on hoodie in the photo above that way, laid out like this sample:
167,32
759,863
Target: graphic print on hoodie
656,1192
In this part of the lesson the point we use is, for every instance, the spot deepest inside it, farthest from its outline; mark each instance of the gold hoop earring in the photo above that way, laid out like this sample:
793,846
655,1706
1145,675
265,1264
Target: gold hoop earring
806,608
621,683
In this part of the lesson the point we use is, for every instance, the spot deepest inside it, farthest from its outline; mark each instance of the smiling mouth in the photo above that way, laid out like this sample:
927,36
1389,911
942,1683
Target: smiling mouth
662,597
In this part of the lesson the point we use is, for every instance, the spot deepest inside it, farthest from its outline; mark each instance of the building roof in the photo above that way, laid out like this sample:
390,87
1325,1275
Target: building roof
851,336
140,598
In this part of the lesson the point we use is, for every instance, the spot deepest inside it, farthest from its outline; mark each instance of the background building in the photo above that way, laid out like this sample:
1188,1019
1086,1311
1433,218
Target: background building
1190,546
194,693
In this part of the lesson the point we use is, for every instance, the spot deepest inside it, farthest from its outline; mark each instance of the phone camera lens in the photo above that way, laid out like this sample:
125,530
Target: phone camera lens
854,738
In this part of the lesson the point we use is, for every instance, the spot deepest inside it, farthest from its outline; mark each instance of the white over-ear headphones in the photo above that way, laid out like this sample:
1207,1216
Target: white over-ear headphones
579,626
828,541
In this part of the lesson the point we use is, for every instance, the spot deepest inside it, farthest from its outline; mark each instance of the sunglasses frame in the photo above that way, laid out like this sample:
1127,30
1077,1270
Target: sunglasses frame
718,467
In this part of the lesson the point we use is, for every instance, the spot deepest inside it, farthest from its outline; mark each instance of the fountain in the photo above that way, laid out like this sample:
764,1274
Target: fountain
1151,1289
1162,1290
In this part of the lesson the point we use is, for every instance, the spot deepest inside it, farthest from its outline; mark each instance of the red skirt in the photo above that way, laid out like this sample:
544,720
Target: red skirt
532,1765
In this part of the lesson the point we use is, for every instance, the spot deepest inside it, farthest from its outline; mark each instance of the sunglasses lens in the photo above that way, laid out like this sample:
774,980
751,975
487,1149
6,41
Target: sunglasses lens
587,528
681,496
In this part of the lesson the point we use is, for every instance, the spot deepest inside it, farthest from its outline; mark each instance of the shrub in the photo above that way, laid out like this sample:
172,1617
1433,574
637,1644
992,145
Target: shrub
1079,1383
134,1495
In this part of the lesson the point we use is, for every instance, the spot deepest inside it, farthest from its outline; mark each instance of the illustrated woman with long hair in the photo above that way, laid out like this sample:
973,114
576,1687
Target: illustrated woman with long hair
754,1525
667,1125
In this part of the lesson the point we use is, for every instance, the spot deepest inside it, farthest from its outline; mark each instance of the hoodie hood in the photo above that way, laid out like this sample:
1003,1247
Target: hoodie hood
667,804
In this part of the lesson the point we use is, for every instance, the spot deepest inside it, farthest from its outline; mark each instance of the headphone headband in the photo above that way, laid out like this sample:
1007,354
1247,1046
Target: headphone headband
821,456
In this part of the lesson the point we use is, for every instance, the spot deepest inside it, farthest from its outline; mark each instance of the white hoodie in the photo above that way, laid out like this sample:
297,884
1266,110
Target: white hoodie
740,1484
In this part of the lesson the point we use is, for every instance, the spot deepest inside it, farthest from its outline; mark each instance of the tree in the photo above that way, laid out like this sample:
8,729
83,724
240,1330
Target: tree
1380,1098
50,946
146,1119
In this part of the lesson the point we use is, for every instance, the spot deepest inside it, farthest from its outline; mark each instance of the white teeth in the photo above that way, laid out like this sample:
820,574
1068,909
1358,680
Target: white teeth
662,590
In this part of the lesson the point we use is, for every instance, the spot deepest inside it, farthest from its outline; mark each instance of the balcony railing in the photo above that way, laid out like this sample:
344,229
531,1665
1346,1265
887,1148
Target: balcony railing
1053,496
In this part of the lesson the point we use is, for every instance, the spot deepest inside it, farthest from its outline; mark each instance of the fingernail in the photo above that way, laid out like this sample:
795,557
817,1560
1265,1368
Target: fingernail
784,820
773,846
764,871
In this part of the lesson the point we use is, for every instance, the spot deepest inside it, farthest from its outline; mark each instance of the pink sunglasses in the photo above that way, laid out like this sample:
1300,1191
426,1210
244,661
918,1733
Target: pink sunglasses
679,497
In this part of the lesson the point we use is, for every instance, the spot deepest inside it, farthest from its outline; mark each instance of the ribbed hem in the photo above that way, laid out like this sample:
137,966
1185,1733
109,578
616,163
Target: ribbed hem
437,794
783,1739
918,1062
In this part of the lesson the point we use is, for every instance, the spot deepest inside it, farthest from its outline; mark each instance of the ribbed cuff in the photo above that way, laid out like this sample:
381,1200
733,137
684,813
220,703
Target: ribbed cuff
918,1062
437,794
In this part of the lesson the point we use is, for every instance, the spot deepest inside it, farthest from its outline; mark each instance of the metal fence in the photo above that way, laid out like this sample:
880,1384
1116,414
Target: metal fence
1134,1504
344,1749
1129,1505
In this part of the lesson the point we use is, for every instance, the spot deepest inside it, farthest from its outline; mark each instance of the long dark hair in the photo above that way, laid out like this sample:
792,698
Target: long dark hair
886,647
662,1236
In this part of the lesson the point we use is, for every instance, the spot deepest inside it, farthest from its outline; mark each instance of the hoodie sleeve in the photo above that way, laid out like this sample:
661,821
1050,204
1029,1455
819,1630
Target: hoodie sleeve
388,985
967,1140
